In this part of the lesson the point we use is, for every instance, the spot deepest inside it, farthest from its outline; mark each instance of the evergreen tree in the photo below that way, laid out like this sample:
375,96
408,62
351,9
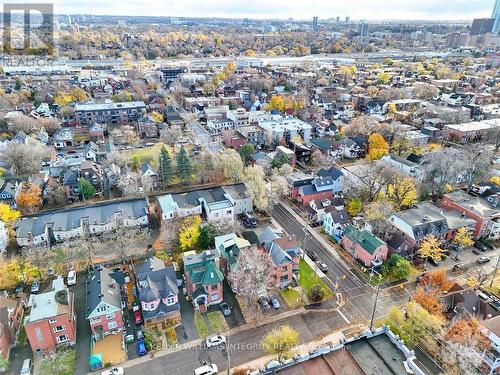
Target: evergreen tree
166,172
184,166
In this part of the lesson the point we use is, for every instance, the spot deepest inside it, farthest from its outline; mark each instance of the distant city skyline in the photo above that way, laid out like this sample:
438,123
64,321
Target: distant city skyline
283,9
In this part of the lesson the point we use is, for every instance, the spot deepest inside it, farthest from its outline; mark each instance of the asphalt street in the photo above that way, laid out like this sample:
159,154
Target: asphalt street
203,137
245,345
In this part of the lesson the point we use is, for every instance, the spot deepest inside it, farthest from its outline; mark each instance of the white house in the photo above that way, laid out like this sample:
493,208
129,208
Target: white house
335,220
405,166
57,226
215,204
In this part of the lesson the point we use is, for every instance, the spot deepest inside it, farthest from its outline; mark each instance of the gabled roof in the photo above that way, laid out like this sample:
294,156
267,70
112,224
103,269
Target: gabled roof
364,238
338,216
102,288
333,172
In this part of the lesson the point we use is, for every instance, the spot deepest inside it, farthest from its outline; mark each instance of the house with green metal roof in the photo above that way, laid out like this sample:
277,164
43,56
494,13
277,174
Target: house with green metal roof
203,278
364,246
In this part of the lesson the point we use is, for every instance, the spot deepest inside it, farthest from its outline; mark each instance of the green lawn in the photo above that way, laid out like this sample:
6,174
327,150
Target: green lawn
308,278
200,324
61,363
147,154
21,338
292,298
217,322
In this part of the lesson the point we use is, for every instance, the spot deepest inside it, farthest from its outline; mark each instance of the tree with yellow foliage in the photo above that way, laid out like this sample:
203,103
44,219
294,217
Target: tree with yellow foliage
384,78
377,146
250,53
78,94
402,192
9,216
495,180
281,341
30,198
189,232
63,98
157,117
276,103
430,248
463,238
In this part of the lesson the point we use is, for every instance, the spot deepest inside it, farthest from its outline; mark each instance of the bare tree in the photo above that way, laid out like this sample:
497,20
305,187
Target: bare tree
24,158
441,168
377,214
425,91
170,136
492,137
371,179
475,164
253,278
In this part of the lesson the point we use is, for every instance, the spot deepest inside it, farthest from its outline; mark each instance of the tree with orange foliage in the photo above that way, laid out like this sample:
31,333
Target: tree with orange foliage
429,300
29,199
467,331
436,280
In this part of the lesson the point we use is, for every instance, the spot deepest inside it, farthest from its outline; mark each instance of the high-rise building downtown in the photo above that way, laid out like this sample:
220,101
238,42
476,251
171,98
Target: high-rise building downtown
496,16
315,23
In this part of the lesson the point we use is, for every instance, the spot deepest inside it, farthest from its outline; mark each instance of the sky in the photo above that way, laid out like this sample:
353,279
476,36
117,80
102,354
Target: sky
298,9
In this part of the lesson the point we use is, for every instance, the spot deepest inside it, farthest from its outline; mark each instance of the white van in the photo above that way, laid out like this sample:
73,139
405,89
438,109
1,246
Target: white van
71,278
26,369
208,369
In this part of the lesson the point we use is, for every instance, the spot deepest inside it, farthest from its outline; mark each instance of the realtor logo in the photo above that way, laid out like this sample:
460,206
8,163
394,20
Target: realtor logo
28,29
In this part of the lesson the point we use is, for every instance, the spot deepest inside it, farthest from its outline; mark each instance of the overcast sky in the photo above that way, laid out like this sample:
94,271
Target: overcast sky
298,9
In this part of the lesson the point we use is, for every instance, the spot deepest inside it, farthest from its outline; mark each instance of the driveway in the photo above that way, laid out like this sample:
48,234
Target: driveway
82,345
187,330
17,356
236,318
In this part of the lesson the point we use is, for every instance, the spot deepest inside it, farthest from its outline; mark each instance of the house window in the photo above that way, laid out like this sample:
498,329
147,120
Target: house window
62,338
59,328
38,334
112,325
215,297
110,316
170,301
214,287
95,320
52,320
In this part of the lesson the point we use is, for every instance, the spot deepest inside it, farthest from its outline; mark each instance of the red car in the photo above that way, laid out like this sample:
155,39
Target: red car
137,315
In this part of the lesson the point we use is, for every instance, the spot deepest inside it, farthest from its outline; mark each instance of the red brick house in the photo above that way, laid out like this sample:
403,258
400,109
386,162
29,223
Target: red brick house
11,316
364,245
474,208
285,254
52,319
204,279
233,138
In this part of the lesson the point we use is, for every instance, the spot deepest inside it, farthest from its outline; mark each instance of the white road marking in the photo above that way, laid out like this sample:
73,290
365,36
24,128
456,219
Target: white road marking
343,316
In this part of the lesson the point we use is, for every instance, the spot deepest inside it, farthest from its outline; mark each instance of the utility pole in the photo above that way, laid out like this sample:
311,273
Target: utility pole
374,306
494,272
228,357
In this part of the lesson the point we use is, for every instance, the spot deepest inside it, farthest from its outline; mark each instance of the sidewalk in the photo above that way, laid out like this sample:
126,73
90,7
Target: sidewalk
302,349
198,342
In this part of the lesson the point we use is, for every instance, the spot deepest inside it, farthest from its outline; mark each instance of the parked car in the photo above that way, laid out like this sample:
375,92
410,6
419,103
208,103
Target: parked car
26,368
275,303
459,267
206,369
226,310
483,260
322,266
141,347
312,255
480,246
433,262
214,341
264,303
35,287
114,371
250,219
137,314
20,287
273,364
71,278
